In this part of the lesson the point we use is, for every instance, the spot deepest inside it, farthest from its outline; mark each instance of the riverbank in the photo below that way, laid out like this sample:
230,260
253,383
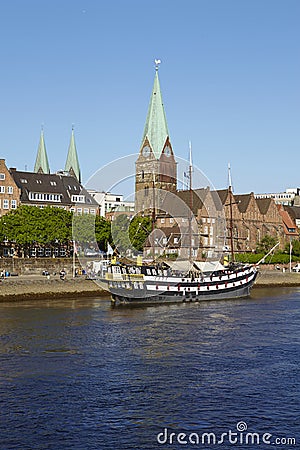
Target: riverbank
276,278
29,287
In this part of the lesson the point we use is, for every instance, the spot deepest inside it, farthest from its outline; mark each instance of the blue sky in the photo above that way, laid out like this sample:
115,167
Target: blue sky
230,80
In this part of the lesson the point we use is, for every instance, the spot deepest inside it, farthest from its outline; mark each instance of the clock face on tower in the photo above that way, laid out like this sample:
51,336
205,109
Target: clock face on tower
146,151
167,151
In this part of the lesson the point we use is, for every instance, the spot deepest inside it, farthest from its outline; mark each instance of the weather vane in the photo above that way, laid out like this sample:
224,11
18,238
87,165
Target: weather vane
157,63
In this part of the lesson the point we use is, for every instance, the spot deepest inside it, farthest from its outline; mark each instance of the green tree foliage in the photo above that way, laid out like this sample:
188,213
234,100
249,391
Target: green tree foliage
139,230
130,235
29,224
83,230
120,234
103,232
253,258
295,248
265,245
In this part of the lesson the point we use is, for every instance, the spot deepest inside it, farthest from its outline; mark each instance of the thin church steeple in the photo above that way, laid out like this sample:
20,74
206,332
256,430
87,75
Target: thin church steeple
156,128
41,162
155,166
72,163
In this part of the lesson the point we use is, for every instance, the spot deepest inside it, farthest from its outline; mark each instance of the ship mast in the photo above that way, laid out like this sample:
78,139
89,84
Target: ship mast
153,219
190,201
230,213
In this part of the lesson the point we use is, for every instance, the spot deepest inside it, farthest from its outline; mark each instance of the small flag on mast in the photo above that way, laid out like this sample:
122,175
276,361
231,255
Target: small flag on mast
109,249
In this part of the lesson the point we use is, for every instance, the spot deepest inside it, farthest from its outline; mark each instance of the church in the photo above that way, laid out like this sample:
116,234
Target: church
197,218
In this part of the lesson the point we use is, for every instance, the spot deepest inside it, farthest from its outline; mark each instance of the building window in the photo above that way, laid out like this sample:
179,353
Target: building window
72,210
10,190
44,197
2,189
5,204
162,220
23,180
39,181
146,191
171,220
86,210
93,212
13,204
2,176
79,211
77,198
53,183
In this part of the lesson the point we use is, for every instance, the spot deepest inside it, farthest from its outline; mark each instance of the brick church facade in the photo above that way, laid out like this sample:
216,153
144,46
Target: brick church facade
213,214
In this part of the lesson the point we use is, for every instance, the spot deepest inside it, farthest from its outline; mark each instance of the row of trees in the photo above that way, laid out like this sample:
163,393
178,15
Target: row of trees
28,226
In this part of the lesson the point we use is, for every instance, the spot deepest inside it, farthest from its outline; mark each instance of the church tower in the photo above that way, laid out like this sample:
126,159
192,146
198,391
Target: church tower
41,162
155,165
72,163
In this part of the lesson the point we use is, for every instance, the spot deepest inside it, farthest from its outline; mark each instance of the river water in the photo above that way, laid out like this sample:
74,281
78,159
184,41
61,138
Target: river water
77,374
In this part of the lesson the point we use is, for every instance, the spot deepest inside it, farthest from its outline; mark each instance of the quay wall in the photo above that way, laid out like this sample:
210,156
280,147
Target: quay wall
35,266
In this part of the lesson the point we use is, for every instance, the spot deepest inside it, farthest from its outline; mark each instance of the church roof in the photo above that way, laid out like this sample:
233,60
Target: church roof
222,195
41,162
72,162
242,201
263,204
156,129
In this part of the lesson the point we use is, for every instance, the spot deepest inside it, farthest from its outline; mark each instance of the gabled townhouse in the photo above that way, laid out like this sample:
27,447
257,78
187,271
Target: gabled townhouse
9,190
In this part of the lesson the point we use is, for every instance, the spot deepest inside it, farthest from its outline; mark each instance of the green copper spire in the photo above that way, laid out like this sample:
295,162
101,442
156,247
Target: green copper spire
72,163
156,129
41,162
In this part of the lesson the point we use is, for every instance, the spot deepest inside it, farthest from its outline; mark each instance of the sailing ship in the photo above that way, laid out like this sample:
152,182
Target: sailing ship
179,281
184,282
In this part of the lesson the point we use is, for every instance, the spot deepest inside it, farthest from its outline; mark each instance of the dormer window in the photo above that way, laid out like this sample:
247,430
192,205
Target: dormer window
78,198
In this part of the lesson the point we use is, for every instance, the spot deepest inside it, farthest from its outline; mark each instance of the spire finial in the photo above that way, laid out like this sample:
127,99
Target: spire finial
157,63
190,154
229,176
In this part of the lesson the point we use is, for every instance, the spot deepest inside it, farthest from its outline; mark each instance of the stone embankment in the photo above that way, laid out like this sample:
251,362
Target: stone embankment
30,287
276,278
